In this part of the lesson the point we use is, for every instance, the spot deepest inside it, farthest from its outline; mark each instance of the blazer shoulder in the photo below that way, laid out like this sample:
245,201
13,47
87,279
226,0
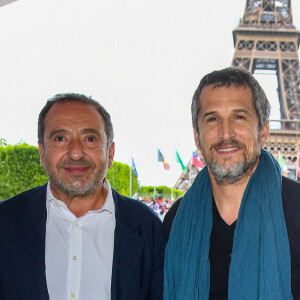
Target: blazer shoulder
20,203
291,198
169,218
290,194
24,195
290,187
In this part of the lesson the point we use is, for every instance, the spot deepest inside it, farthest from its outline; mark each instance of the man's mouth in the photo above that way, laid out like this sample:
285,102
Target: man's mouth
76,170
228,149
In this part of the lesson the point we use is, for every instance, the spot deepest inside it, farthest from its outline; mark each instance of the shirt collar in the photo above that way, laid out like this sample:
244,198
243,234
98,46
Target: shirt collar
109,204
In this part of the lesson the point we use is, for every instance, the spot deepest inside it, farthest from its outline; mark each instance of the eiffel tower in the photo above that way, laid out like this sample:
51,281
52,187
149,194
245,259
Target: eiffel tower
266,41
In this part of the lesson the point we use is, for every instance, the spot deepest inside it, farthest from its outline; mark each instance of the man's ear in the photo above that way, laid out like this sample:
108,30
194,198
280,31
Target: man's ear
196,138
111,155
264,133
42,154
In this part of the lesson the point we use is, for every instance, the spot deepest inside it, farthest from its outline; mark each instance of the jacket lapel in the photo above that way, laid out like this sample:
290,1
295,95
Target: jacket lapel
32,254
128,249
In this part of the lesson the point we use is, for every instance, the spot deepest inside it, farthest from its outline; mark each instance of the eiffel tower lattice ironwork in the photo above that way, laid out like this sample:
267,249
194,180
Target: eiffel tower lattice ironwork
267,41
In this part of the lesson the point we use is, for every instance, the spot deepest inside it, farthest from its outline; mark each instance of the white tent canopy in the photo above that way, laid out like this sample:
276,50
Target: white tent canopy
4,2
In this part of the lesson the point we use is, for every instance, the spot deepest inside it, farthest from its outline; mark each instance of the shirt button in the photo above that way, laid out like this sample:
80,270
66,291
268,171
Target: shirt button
74,257
76,224
73,295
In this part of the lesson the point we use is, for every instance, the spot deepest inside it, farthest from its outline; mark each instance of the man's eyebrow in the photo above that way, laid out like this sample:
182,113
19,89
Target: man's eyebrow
238,110
210,113
241,110
83,131
58,131
90,130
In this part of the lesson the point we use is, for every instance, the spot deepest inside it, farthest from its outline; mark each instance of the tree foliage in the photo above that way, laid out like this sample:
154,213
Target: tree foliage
119,178
160,191
3,142
20,169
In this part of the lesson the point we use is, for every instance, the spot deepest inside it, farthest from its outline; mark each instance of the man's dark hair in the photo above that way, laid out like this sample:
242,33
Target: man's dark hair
238,77
73,97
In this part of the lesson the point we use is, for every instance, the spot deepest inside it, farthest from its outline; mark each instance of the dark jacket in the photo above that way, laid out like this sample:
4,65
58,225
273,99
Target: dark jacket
291,206
137,272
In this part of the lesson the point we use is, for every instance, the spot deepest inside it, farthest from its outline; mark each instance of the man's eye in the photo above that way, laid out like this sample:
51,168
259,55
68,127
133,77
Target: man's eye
91,139
240,117
212,119
59,139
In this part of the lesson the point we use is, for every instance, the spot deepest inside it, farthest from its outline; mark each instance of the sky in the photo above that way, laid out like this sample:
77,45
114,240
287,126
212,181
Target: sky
142,60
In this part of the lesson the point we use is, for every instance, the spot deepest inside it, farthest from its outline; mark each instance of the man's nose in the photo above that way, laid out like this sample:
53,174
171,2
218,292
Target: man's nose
226,130
75,150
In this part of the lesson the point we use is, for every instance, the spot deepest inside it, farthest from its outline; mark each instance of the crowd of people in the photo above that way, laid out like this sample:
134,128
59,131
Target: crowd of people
159,206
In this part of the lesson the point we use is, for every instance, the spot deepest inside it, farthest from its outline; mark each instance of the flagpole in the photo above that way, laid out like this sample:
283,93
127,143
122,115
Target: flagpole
130,184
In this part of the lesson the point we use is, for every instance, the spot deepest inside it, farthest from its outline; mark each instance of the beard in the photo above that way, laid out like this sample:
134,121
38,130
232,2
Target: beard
77,187
236,172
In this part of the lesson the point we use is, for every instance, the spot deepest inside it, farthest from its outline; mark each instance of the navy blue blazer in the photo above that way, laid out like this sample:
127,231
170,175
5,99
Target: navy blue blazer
137,272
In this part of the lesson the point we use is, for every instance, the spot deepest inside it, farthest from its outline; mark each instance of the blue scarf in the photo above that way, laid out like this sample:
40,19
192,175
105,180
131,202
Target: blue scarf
260,264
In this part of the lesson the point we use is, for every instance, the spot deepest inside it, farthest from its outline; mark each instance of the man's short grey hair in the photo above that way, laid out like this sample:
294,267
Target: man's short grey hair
238,77
79,98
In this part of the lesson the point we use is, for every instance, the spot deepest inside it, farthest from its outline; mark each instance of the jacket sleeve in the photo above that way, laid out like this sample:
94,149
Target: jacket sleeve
157,280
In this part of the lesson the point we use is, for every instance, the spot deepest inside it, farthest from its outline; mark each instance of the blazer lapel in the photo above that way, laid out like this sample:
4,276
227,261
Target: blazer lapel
128,249
32,254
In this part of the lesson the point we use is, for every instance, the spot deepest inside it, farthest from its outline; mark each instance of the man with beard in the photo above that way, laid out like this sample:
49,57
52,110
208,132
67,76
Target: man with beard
75,237
236,231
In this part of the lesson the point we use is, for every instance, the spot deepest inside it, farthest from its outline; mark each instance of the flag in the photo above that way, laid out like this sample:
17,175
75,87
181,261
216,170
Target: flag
282,164
179,160
196,161
161,158
298,165
281,160
134,169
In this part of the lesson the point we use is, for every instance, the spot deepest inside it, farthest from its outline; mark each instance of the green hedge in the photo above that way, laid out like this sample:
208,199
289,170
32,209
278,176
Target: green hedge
119,178
160,191
20,169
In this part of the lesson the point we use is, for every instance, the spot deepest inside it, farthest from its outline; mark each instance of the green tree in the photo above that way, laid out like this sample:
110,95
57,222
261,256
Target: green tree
160,191
3,142
20,169
119,178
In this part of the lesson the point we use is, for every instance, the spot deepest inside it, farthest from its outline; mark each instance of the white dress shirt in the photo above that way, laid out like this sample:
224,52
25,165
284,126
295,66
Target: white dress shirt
79,251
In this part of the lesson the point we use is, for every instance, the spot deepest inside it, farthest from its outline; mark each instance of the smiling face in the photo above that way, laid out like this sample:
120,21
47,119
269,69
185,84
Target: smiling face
75,153
229,136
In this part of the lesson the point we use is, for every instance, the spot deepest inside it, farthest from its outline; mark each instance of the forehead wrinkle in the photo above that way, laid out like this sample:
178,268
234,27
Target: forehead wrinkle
79,120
